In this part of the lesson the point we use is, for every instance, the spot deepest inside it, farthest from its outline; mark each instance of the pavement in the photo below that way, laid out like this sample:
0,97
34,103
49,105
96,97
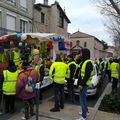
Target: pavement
70,112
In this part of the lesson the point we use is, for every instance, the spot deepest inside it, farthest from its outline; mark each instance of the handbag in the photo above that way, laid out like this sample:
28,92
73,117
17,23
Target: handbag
30,85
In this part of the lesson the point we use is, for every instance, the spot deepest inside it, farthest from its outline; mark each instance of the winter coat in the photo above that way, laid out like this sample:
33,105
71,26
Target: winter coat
21,82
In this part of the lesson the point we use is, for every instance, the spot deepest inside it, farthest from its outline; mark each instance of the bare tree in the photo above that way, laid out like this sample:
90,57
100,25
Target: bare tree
111,9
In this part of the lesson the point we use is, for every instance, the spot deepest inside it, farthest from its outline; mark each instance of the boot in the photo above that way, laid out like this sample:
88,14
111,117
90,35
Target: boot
27,111
31,110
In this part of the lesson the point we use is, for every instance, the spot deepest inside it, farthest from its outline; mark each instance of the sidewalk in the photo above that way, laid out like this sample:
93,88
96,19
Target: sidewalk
71,112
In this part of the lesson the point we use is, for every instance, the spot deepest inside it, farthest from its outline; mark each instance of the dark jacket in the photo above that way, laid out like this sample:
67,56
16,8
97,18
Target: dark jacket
89,67
72,71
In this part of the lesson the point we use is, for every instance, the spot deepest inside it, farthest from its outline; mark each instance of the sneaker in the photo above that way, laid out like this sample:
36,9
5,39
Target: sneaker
54,110
80,113
23,118
1,113
81,118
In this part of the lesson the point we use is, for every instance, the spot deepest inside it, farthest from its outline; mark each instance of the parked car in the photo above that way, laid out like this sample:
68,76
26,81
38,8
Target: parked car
92,90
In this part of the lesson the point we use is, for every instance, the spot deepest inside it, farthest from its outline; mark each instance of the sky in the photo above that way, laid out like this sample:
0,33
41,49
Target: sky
85,17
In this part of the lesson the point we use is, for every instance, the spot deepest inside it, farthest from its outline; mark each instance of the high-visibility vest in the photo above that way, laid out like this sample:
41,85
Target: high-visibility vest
114,71
100,65
37,68
68,71
16,58
83,72
57,72
9,84
108,68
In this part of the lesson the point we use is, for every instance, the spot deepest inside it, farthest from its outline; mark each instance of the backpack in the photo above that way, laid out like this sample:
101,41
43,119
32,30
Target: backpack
30,85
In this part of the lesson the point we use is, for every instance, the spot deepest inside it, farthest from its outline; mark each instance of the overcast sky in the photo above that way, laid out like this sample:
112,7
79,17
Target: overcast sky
85,16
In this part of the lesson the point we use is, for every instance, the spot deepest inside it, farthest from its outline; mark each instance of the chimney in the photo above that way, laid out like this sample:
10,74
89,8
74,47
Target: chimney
45,2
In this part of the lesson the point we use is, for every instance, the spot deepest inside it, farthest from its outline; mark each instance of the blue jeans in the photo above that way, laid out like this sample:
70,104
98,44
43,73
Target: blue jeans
83,101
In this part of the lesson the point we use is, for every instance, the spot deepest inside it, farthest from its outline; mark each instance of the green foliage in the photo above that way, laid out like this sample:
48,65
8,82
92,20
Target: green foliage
111,103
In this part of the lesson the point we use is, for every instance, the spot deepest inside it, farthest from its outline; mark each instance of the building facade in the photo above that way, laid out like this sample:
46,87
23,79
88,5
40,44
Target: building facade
50,19
16,16
87,41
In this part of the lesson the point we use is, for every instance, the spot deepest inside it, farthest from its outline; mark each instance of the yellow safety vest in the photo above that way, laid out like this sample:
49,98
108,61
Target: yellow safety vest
37,68
68,71
60,69
114,71
83,72
16,58
9,84
108,66
101,66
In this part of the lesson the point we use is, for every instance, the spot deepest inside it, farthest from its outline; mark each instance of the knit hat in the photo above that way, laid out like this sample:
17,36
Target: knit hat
11,63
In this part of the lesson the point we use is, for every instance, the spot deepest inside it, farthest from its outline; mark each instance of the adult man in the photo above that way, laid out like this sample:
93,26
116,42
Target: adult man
114,74
39,67
84,80
16,56
57,75
70,77
9,87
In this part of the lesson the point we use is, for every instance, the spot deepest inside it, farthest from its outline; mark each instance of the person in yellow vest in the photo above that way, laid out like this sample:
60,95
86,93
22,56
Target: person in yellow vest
70,77
57,75
16,56
114,74
108,71
9,87
84,80
39,67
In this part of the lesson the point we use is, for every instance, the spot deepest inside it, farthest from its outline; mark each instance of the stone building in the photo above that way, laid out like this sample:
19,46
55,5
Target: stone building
82,40
16,16
50,19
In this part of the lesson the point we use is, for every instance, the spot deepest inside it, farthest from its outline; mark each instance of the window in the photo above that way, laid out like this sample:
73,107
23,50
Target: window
85,44
13,2
0,19
23,4
61,21
23,26
30,26
42,18
10,23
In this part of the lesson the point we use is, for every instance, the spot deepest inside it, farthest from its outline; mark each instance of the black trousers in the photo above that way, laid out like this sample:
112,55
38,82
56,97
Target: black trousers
29,107
114,84
1,94
9,103
59,95
70,88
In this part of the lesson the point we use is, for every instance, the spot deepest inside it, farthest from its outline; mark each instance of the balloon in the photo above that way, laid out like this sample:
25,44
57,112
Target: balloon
11,42
62,38
55,39
23,36
4,39
20,44
18,36
26,45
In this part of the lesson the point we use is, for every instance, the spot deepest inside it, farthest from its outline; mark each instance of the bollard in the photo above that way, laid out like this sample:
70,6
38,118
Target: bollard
37,100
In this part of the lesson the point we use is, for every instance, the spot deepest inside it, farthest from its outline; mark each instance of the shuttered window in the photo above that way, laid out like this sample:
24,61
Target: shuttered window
0,19
23,4
23,26
10,23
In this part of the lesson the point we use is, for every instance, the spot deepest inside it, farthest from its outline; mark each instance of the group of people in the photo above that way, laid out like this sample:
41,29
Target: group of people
21,83
82,69
14,82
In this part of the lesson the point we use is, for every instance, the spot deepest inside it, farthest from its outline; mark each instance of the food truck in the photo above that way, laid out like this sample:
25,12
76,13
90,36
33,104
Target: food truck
49,45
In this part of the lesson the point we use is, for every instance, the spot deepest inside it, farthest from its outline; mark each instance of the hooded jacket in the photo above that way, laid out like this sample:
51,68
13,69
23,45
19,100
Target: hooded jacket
21,82
89,67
